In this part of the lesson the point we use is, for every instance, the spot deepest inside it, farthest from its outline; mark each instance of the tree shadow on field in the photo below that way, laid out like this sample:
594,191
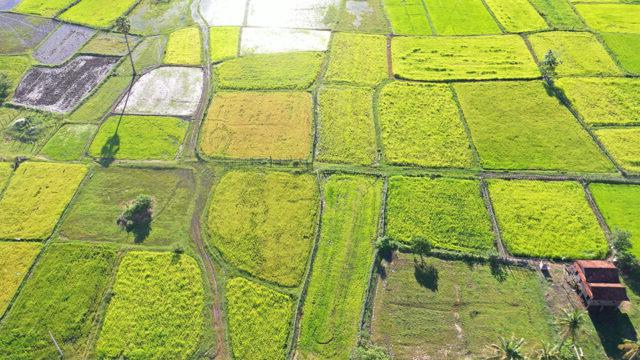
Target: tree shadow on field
141,232
498,270
613,327
109,150
426,274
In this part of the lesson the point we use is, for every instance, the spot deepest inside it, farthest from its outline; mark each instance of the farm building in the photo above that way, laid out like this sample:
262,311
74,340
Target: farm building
598,282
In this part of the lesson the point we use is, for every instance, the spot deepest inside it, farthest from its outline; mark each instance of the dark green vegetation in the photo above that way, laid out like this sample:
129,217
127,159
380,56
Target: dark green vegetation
93,215
62,297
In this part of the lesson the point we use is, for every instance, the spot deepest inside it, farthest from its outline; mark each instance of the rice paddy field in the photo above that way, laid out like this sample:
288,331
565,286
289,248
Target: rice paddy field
315,179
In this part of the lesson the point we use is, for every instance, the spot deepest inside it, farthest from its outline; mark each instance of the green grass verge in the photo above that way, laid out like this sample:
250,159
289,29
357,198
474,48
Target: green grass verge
619,206
540,133
15,261
167,322
459,311
69,142
559,14
620,18
46,8
624,145
96,106
223,43
579,53
270,71
608,101
407,17
420,125
259,320
184,47
450,213
36,197
97,13
472,57
357,59
335,297
547,219
102,200
139,138
346,133
626,49
264,223
517,15
62,297
461,17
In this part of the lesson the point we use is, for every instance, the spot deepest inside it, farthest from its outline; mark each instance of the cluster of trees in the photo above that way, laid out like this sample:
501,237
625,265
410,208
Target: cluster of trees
621,245
137,214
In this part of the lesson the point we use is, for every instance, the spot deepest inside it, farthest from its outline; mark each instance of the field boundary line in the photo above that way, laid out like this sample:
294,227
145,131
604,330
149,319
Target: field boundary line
488,203
596,211
321,179
377,126
495,18
465,125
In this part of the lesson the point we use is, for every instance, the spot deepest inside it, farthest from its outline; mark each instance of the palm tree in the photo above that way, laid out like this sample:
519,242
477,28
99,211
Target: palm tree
630,349
507,349
571,322
124,26
549,351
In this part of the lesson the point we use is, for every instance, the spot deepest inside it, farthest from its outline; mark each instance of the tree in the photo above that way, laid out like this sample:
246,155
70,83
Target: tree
137,214
549,65
369,353
5,84
422,247
124,26
507,349
621,244
630,349
549,351
571,322
387,245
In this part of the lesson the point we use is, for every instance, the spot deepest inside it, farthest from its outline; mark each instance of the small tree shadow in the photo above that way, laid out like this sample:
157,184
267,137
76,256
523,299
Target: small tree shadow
426,274
498,270
140,232
109,150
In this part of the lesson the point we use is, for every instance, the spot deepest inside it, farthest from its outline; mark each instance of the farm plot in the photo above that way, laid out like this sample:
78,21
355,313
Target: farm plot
110,44
24,132
139,138
346,132
61,89
619,206
224,43
458,312
92,217
97,105
61,297
608,101
420,125
270,40
264,223
170,91
559,14
258,125
184,47
407,17
223,12
65,41
157,17
450,58
146,56
6,170
517,15
259,320
363,16
626,49
624,145
296,14
547,219
69,142
448,212
44,8
97,13
526,128
167,322
358,59
15,261
460,17
14,66
21,33
295,71
36,197
579,53
335,297
617,18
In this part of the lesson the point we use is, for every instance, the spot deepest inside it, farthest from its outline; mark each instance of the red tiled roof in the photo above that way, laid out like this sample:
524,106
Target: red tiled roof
598,271
600,280
609,292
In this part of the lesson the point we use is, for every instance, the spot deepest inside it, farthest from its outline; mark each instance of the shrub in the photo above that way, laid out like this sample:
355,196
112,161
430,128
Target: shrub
137,213
369,353
25,130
